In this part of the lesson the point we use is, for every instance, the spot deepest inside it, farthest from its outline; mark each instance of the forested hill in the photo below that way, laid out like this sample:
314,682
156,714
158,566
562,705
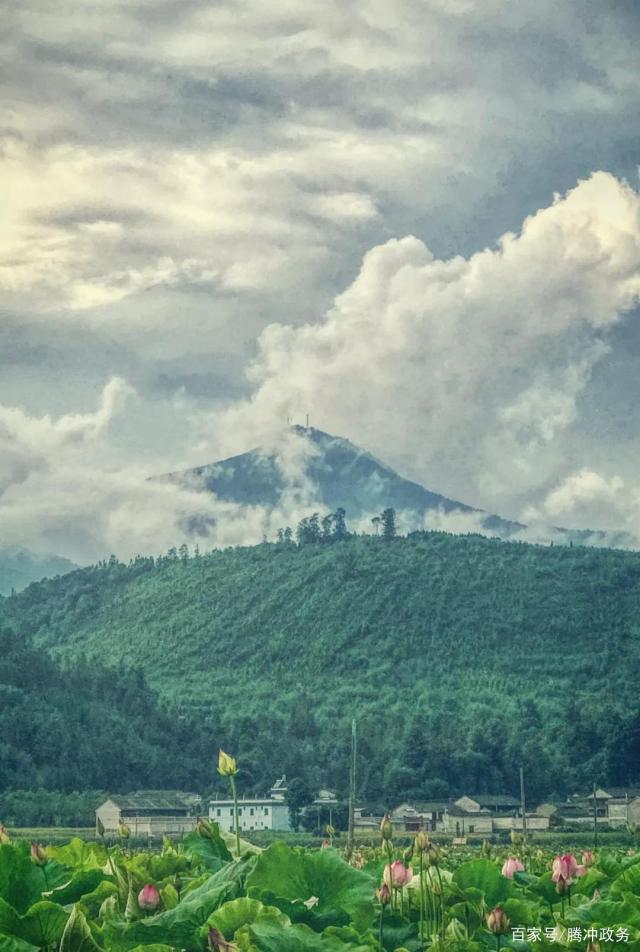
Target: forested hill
79,726
462,657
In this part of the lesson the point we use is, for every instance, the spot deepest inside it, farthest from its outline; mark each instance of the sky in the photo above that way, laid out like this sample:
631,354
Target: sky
416,220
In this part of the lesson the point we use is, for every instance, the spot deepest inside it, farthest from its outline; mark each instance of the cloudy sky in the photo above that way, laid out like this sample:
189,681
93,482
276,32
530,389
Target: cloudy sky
417,220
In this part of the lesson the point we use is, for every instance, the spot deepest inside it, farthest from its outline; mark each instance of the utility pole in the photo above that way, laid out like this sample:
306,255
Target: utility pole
523,808
352,788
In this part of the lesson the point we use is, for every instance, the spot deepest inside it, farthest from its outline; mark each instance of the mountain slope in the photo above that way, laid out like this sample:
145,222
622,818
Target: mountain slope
19,567
342,474
462,657
85,727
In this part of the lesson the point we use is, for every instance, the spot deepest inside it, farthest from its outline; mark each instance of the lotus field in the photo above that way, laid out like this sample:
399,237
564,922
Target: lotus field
201,894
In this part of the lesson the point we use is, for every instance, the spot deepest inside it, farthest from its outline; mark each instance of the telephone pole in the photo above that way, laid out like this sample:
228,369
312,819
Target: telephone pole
523,808
352,787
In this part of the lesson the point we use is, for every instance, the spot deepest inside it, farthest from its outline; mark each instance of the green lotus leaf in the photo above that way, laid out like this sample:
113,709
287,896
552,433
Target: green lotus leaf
267,934
42,924
482,875
212,853
22,882
77,854
239,912
298,876
605,913
179,927
77,935
80,885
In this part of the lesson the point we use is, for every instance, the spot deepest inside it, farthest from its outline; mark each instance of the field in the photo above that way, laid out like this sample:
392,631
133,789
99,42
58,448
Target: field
198,893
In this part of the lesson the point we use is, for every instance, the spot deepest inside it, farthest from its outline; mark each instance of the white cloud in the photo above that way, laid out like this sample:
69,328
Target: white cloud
177,176
474,365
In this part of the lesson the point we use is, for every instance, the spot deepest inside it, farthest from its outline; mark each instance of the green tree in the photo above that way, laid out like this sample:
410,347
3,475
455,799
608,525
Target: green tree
388,517
298,797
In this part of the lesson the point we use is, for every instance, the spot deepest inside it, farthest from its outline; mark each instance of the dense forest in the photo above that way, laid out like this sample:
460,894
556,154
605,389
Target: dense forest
462,658
75,726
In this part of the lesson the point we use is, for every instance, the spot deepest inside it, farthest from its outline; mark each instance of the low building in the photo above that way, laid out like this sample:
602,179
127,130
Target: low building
484,814
149,813
254,813
614,806
422,815
366,822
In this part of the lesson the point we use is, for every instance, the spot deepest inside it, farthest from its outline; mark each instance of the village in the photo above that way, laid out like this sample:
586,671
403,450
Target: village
172,813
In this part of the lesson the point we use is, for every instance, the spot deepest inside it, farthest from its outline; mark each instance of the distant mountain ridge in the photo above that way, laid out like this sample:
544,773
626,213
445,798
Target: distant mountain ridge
19,567
346,476
343,474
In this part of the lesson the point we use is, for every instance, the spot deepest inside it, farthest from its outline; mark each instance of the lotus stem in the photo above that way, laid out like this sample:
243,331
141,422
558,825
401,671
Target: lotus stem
234,793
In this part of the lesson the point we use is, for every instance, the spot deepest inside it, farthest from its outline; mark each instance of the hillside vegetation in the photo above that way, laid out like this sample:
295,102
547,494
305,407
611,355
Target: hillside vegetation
461,657
79,726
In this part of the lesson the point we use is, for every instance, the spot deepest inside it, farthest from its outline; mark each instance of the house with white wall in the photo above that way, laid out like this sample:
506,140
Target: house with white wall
254,813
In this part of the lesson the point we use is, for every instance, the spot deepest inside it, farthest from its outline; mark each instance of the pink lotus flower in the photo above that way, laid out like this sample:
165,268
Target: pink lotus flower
397,875
512,866
564,867
39,855
497,921
384,894
588,858
149,898
325,844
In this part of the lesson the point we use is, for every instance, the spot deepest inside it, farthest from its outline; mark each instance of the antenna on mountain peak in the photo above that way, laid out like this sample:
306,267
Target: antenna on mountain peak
307,423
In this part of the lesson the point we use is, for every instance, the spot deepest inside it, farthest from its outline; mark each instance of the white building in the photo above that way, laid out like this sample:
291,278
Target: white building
254,813
149,812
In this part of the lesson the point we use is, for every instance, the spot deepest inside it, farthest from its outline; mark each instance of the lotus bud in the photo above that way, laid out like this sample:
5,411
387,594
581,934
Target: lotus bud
149,898
100,827
325,845
39,855
204,829
593,947
588,858
422,841
512,866
407,856
217,942
597,896
433,854
227,766
497,921
4,836
123,831
330,830
386,828
384,894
